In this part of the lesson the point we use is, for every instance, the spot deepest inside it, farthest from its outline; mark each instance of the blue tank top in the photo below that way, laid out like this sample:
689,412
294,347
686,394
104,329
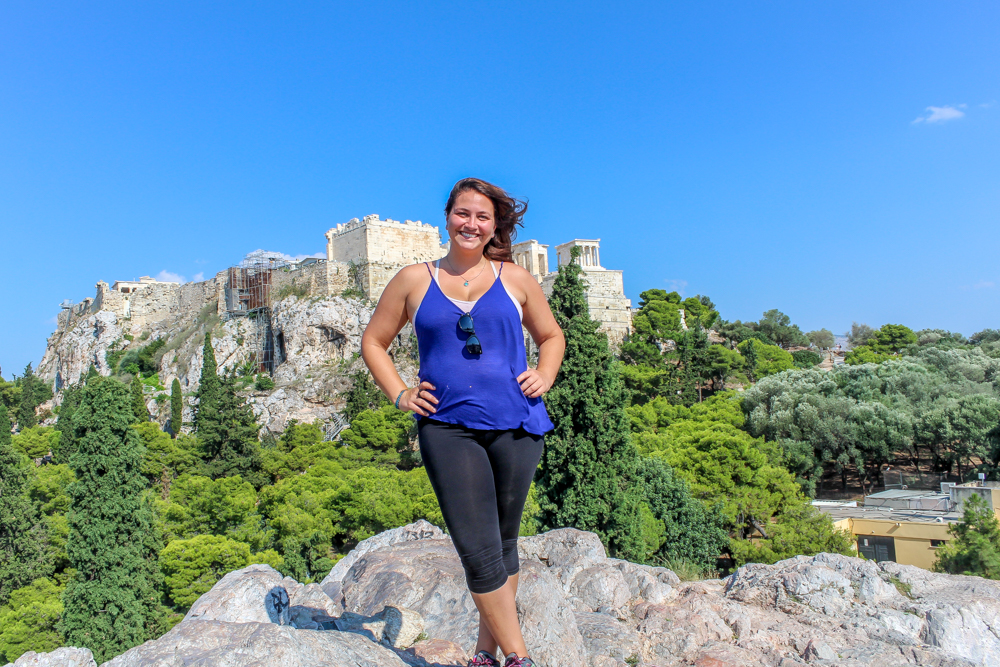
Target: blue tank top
477,390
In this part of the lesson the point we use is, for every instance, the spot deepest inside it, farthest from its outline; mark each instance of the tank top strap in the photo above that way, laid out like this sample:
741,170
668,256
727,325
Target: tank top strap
428,265
501,269
493,266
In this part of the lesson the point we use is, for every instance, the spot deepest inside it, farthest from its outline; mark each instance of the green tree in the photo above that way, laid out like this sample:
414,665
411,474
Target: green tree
892,338
864,354
806,358
822,338
29,399
976,548
768,359
112,603
139,411
588,472
22,534
36,441
28,622
859,334
363,395
227,506
191,567
176,408
691,530
779,328
385,430
209,385
164,458
228,431
67,431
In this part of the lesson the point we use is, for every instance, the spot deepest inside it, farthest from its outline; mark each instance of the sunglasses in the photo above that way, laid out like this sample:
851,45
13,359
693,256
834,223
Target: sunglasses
472,343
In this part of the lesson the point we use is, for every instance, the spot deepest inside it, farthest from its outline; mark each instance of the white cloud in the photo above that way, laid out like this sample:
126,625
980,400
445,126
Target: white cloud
198,277
987,105
984,284
676,285
168,277
941,114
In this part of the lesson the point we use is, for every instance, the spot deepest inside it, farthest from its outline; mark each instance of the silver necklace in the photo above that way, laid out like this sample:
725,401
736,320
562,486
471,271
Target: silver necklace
462,276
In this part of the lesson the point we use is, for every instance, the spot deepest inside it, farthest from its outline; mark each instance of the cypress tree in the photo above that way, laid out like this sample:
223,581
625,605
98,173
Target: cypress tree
23,538
209,385
65,426
588,478
112,604
26,409
229,433
176,407
139,409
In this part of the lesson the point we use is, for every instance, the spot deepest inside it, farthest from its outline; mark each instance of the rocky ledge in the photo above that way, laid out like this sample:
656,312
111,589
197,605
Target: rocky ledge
400,599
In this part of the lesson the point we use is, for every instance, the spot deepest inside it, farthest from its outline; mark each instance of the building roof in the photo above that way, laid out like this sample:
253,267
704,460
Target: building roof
837,512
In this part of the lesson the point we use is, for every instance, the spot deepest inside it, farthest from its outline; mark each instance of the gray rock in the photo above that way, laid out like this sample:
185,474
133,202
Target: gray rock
547,620
418,530
819,651
310,607
647,584
216,643
397,627
601,587
566,550
606,638
425,576
255,594
67,656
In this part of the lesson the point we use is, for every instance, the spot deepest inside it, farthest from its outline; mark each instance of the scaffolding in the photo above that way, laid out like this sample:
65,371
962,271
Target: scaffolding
249,294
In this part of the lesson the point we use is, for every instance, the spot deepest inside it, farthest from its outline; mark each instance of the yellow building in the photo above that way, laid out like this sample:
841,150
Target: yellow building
904,526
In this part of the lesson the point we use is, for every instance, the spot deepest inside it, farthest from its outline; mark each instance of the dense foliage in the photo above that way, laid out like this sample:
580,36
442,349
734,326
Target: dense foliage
653,450
112,602
588,473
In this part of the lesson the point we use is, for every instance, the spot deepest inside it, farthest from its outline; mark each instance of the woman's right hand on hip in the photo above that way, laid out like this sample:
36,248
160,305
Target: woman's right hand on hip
419,399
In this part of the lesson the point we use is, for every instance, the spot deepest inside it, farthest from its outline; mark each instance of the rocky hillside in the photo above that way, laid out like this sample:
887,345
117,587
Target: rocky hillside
400,599
321,337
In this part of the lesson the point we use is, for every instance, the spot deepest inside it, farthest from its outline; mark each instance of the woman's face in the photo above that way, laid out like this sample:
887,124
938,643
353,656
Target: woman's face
471,224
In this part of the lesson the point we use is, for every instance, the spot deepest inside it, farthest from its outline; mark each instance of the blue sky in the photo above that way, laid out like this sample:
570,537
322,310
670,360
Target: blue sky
839,161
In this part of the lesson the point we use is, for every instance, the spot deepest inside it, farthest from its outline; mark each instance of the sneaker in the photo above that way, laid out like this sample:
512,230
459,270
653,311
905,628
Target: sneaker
514,661
484,659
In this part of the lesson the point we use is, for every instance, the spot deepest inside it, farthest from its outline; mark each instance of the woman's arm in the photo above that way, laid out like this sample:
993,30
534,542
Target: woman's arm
545,331
387,321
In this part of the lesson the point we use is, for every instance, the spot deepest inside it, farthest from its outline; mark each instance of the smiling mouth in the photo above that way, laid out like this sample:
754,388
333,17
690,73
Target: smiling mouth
469,235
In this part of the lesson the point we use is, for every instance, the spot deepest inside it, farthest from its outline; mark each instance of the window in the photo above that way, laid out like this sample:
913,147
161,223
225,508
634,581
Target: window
936,544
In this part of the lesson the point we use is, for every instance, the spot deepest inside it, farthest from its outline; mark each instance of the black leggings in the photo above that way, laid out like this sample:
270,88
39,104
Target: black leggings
481,479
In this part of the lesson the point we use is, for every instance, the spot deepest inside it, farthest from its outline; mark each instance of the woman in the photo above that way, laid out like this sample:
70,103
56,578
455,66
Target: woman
480,413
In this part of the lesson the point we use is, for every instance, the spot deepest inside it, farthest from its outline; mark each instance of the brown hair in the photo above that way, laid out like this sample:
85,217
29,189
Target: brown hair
507,213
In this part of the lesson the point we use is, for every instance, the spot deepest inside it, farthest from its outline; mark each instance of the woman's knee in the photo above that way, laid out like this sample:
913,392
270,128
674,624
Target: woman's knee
485,570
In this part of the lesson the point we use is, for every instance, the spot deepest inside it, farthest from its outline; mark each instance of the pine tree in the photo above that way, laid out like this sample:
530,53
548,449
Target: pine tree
209,385
139,409
91,374
65,426
229,433
113,602
363,395
976,548
29,401
176,407
23,538
588,477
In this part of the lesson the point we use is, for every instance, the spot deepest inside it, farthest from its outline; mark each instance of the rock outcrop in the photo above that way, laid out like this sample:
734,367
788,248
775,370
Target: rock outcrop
401,599
319,338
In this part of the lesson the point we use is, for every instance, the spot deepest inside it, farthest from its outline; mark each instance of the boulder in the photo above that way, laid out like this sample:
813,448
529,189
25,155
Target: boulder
397,627
436,653
255,594
418,530
67,656
197,642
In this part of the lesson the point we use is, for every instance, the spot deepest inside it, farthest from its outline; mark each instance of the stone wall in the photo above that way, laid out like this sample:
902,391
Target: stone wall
380,248
606,299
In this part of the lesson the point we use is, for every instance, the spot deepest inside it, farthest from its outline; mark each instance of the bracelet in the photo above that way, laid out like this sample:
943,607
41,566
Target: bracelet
399,397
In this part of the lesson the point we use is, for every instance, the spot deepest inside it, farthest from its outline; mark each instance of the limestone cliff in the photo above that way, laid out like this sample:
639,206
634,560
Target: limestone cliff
400,599
319,336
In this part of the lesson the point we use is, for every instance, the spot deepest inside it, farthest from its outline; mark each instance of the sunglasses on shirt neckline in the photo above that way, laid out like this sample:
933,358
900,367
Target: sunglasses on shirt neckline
472,344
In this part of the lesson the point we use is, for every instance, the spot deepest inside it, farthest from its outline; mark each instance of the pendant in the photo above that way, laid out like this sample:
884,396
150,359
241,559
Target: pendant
466,283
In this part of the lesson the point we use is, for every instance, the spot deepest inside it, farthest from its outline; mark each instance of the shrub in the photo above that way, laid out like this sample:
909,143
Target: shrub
806,358
264,382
